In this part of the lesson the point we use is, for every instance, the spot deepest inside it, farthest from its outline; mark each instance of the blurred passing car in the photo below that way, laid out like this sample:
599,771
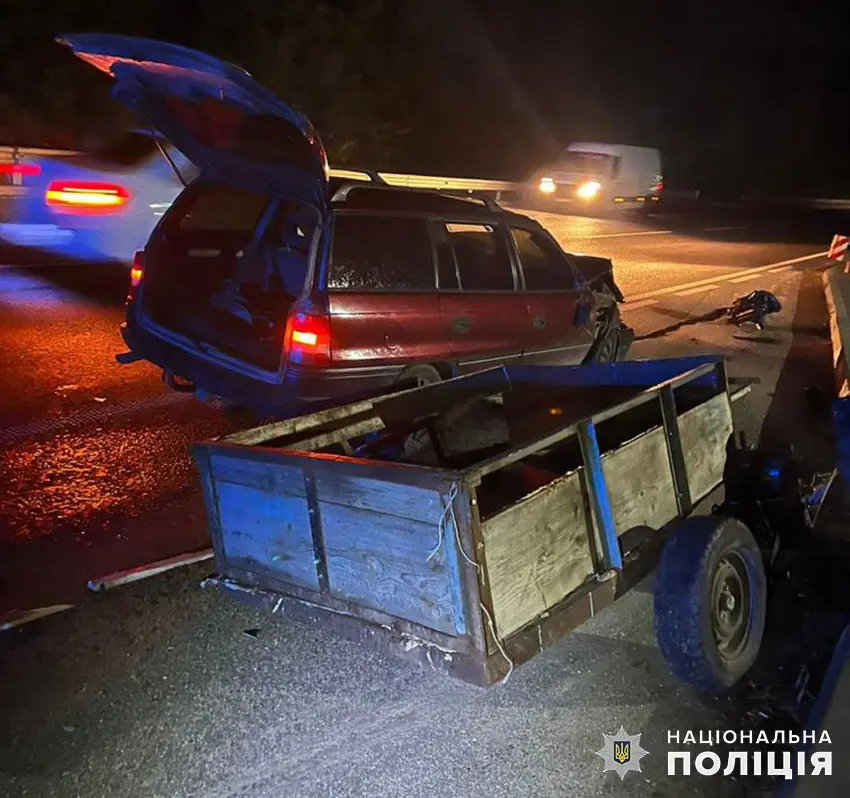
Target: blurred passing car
99,206
265,285
596,177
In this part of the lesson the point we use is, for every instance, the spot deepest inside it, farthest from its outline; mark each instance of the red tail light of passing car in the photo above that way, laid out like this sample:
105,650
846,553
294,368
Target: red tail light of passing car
308,339
137,273
86,196
23,169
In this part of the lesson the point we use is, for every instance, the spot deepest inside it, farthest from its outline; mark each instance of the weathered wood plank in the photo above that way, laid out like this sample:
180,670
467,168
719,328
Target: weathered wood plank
705,432
341,435
537,551
269,529
468,541
270,477
277,429
382,562
208,491
363,493
640,483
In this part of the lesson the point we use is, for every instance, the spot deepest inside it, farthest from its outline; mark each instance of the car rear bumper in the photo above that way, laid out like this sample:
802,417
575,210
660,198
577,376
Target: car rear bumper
35,235
77,245
301,388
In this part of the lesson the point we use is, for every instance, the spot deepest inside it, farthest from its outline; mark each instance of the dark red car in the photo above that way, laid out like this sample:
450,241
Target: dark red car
269,286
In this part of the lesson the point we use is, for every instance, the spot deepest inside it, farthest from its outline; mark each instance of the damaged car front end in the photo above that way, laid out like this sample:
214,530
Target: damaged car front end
613,338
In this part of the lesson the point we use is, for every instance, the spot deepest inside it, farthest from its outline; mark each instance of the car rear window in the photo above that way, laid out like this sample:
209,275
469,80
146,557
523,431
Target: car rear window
224,209
380,253
483,259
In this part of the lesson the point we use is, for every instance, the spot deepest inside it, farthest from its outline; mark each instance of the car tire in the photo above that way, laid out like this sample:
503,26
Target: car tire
417,377
710,602
606,347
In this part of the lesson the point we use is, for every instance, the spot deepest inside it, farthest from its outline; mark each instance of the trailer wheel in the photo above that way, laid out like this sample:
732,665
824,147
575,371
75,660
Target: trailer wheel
710,602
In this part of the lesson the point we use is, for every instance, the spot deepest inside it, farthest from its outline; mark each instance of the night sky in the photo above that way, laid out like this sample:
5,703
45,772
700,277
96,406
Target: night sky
739,96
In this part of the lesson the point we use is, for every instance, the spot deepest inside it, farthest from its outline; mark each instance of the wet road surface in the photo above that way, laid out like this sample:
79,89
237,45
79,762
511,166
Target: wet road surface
155,689
94,462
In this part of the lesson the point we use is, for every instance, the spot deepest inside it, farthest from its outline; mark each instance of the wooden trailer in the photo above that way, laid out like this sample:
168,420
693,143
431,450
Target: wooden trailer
471,523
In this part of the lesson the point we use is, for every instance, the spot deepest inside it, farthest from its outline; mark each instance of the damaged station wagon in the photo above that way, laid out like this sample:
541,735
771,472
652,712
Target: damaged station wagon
273,286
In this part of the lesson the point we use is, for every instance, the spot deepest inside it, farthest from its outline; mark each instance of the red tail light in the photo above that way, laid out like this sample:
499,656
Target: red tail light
137,272
86,196
23,169
308,339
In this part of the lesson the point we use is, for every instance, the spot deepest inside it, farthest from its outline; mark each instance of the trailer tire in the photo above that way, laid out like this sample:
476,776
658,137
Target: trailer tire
710,602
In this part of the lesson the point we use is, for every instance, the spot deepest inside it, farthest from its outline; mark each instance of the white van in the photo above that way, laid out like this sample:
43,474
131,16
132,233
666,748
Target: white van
599,177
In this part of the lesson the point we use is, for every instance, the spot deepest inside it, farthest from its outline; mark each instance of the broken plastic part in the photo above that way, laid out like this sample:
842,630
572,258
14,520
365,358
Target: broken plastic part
124,358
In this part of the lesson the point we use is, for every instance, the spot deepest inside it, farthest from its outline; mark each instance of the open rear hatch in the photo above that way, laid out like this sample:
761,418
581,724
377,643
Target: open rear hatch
222,270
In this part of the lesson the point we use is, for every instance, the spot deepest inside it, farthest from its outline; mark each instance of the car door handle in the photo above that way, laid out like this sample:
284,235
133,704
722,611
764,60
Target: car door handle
538,323
461,325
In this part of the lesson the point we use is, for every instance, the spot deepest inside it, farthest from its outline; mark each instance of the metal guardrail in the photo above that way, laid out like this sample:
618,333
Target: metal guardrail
495,187
808,203
13,154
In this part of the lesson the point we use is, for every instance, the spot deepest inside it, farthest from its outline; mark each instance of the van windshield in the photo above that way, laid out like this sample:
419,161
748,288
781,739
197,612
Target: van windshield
586,162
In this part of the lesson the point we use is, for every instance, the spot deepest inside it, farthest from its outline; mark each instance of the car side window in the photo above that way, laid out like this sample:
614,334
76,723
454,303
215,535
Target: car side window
544,267
380,253
482,255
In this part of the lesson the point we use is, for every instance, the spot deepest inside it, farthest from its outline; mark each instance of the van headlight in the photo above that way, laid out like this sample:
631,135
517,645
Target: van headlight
588,190
547,185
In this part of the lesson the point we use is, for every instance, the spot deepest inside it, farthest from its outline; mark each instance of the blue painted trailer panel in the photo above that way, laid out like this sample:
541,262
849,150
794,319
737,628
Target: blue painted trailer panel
273,477
378,537
393,498
267,531
381,561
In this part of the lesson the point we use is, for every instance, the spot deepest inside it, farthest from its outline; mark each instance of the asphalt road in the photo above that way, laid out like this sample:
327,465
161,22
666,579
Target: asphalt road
155,690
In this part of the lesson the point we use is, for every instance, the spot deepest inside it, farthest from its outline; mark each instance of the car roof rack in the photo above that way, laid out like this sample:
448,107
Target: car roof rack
341,194
352,178
470,193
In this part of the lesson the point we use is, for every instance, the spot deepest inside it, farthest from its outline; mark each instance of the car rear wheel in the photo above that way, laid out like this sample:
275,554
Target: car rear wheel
607,352
417,377
606,347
